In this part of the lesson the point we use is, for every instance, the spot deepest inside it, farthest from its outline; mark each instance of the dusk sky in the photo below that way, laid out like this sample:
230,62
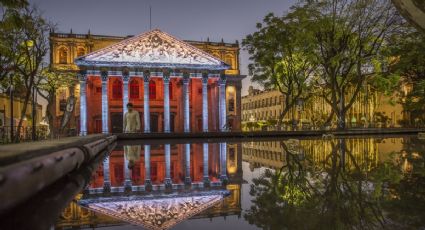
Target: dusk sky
186,19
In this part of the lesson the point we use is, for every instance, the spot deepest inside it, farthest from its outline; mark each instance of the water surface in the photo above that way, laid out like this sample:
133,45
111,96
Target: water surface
353,183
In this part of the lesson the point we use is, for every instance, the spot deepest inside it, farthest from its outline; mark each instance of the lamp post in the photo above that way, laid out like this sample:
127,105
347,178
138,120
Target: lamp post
34,103
11,106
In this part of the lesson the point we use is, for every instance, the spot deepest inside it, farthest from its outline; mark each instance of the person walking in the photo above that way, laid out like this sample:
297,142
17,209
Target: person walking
131,120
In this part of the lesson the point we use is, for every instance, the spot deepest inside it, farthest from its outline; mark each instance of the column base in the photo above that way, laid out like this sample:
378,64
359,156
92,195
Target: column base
148,185
206,181
105,132
83,133
106,187
168,183
224,179
146,131
127,185
205,130
86,191
187,181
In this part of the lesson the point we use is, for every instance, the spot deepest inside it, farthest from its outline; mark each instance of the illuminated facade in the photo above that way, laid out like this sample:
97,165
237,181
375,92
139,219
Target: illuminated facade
18,103
177,86
370,109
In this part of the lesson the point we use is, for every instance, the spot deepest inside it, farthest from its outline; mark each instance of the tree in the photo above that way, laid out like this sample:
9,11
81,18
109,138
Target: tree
280,50
9,21
408,53
49,82
28,49
348,37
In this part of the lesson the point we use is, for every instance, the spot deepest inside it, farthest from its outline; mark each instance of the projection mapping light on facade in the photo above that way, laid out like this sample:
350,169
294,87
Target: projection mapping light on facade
154,213
152,49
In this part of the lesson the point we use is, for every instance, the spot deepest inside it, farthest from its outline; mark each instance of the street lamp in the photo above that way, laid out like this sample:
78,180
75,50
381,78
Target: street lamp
34,103
11,106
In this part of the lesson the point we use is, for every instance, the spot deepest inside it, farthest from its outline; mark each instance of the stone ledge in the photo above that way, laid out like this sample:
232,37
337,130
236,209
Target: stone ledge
228,136
13,153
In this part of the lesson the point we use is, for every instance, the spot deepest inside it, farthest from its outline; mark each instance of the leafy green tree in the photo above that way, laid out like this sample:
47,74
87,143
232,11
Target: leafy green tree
10,20
27,50
348,38
280,50
48,84
408,54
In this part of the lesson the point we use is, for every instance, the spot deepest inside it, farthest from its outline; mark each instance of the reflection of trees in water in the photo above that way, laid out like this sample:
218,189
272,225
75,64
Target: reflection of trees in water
326,195
404,203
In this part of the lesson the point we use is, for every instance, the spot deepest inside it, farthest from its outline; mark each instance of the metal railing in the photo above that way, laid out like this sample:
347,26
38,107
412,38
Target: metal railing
25,134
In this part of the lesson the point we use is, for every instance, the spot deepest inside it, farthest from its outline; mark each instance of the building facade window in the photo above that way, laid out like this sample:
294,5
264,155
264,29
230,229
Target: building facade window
81,52
231,103
134,89
117,89
63,55
152,89
229,61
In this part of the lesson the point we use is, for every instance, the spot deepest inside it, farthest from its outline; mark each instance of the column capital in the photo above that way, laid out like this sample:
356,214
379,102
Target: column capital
222,79
205,78
104,75
125,76
166,76
146,76
186,77
82,77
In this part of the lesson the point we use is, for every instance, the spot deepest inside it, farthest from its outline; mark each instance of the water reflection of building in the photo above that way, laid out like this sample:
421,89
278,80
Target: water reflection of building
272,154
76,216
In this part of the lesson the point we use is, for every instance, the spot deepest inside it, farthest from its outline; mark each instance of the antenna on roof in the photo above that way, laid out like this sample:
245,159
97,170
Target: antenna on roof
150,17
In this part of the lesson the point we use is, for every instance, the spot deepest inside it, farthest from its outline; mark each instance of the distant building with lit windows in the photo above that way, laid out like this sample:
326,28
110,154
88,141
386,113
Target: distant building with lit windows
189,86
370,109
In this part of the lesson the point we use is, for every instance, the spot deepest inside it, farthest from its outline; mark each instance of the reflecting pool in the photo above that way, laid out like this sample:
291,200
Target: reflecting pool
350,183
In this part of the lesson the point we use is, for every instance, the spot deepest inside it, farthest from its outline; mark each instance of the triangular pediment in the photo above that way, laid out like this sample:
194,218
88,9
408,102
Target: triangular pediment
153,49
154,213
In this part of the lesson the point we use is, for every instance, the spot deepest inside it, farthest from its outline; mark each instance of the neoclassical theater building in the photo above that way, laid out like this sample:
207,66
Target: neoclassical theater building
175,85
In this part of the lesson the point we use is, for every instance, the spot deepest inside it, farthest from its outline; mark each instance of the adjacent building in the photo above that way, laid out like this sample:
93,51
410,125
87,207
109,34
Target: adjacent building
370,109
6,115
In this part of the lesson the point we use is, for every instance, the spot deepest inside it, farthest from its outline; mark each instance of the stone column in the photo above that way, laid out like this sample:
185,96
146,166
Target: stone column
206,178
223,162
187,179
222,103
205,102
83,104
186,113
167,180
105,119
166,79
125,79
148,182
146,113
106,175
127,176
